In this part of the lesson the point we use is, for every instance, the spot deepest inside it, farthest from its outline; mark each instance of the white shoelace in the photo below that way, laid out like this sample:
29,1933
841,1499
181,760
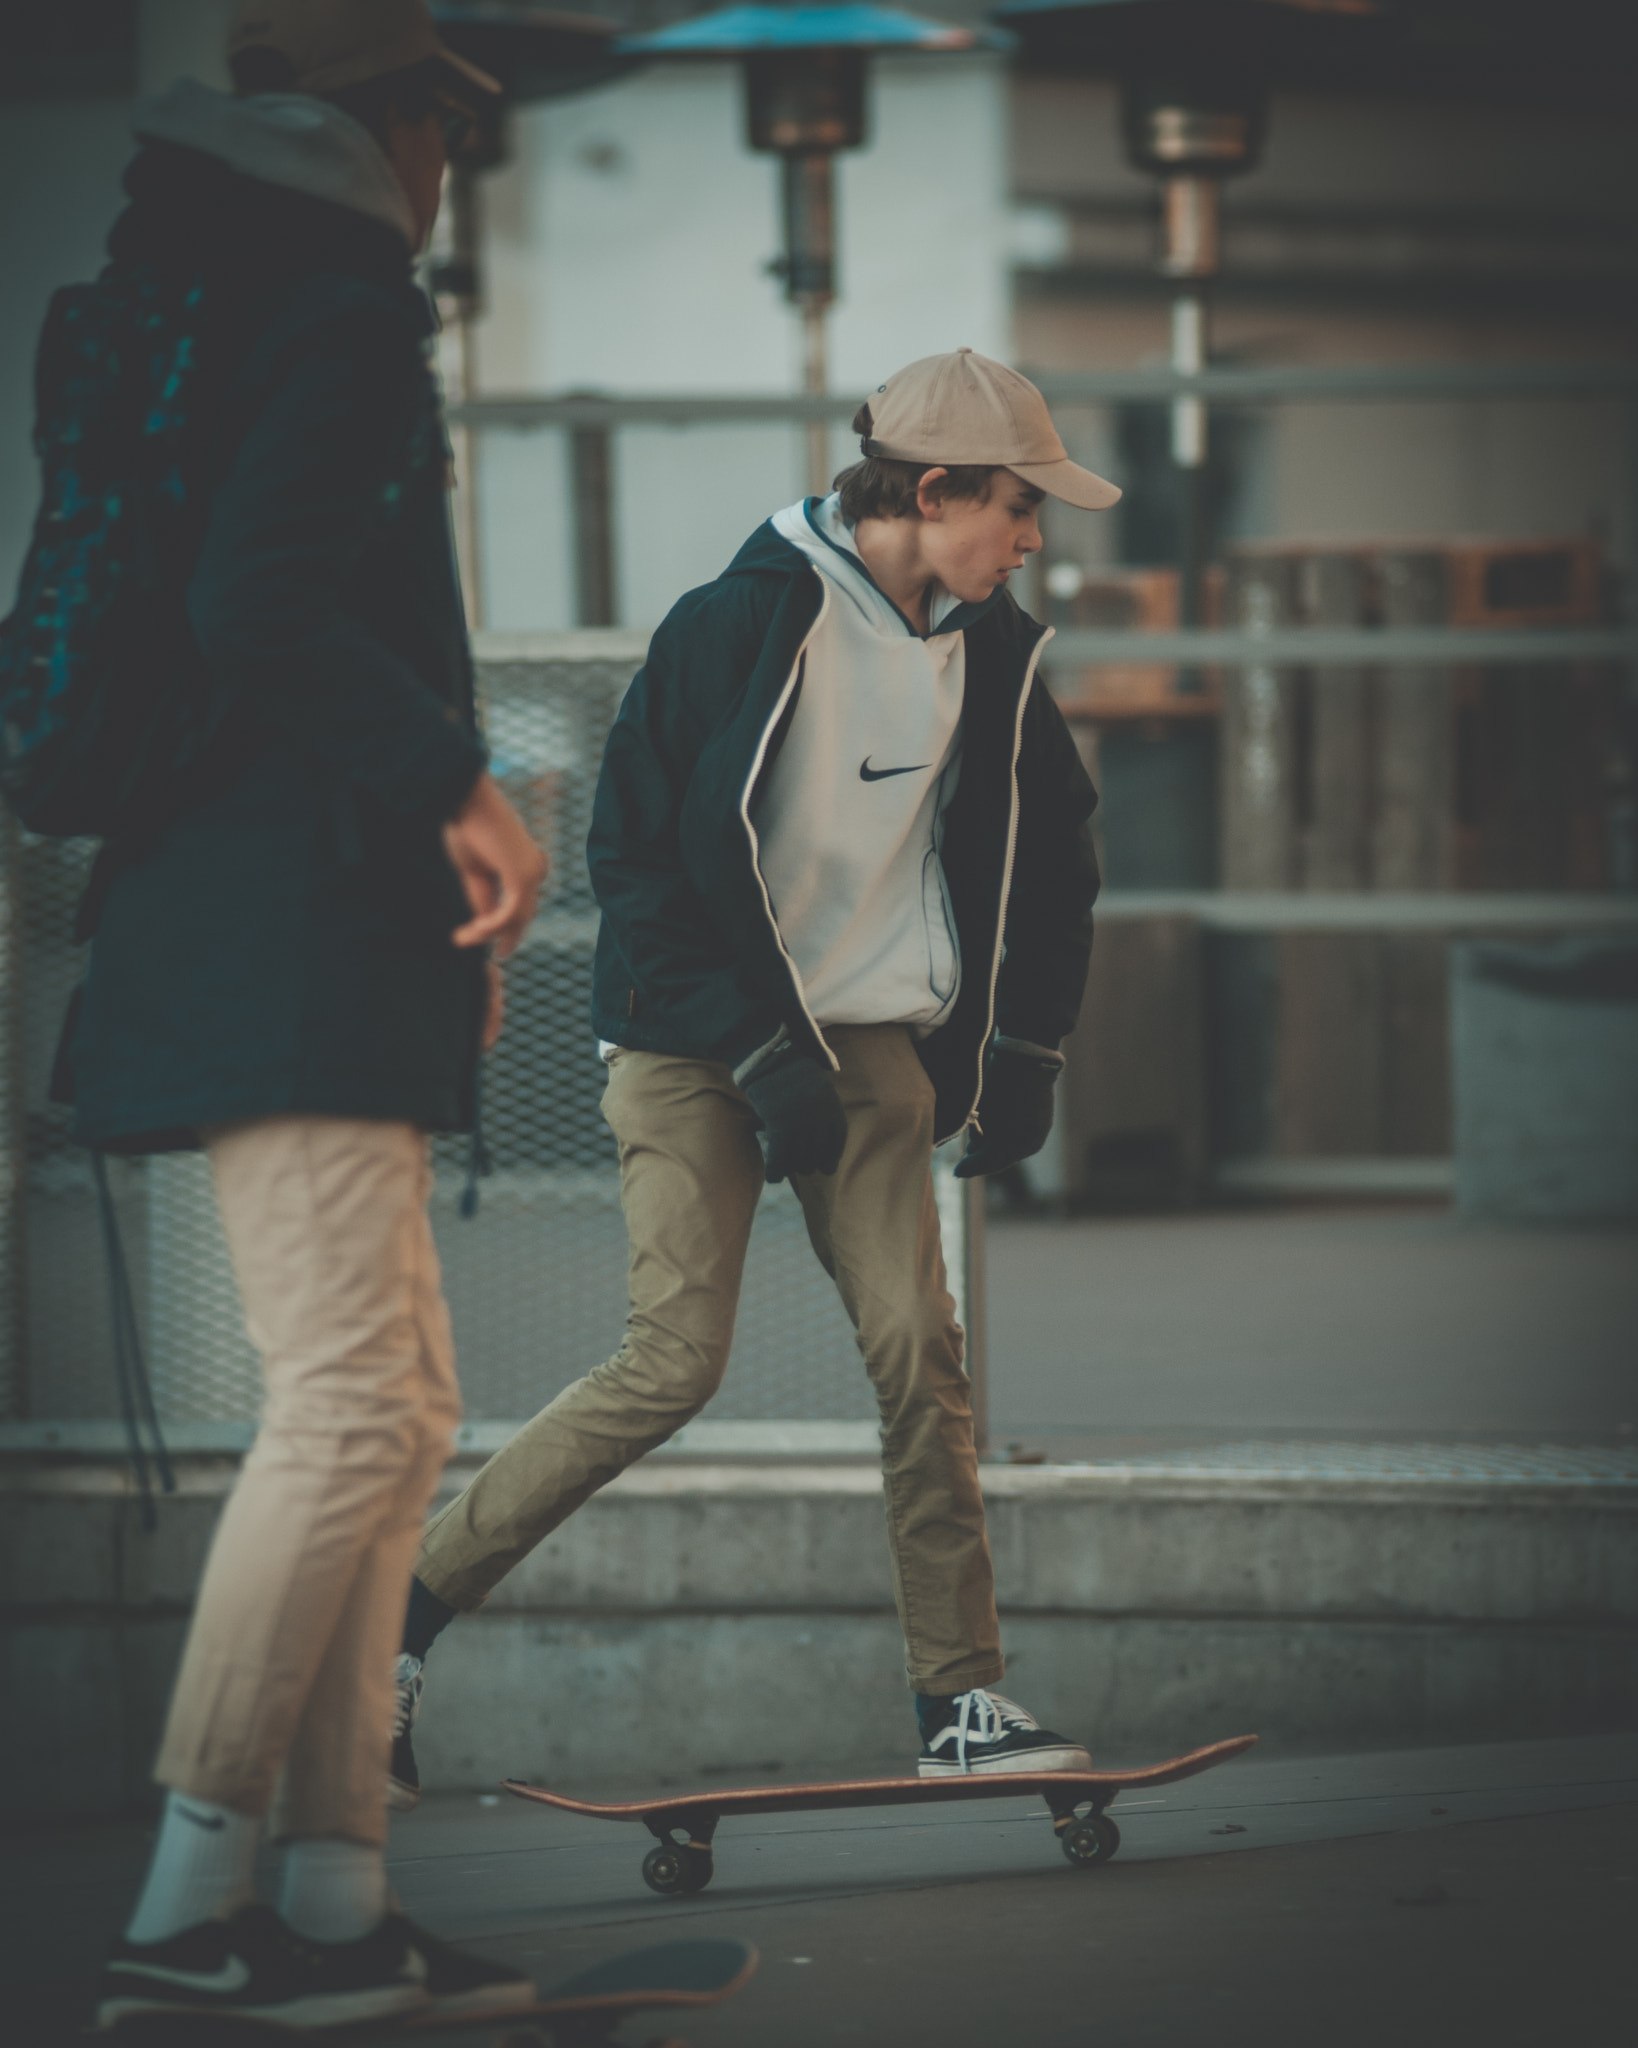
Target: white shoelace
985,1717
409,1681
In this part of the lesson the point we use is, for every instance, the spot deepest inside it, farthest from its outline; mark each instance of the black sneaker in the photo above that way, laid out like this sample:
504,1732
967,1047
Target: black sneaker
458,1981
403,1779
984,1732
255,1967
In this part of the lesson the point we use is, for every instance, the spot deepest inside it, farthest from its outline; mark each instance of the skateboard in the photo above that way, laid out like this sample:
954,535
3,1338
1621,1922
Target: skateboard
581,2013
683,1826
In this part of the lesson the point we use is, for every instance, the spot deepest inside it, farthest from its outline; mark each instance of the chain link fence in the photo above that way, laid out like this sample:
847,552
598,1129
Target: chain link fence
536,1281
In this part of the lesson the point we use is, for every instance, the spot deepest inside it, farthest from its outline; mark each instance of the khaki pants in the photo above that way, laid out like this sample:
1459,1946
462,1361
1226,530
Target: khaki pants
691,1176
289,1664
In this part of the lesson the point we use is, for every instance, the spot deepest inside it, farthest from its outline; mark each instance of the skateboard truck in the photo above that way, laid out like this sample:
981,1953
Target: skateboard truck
678,1866
1091,1837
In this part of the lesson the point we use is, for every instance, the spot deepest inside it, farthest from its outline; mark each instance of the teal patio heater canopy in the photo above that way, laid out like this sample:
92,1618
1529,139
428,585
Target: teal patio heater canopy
1195,76
804,70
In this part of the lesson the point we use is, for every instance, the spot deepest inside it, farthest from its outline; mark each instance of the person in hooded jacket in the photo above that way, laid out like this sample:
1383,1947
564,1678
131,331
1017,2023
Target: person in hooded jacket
841,844
291,973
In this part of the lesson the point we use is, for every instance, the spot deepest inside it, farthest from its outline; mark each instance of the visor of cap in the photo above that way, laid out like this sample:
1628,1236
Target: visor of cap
464,69
1068,481
331,46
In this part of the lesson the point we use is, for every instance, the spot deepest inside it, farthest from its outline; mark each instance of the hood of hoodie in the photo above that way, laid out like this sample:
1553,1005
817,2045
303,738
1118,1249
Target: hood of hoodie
815,527
288,140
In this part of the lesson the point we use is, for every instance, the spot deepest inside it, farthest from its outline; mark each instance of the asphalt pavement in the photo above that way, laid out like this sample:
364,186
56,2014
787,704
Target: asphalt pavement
1484,1895
1379,1323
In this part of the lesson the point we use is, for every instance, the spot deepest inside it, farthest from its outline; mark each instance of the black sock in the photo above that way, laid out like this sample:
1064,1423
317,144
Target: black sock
425,1619
934,1711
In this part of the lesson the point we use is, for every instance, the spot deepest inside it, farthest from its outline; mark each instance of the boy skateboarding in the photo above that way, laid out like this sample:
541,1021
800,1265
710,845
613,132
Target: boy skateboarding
841,843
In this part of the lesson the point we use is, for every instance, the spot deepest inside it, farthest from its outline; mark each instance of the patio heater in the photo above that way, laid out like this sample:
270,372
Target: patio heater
804,69
1195,77
536,54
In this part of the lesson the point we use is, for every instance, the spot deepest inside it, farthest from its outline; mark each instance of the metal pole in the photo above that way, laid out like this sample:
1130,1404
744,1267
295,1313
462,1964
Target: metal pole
814,378
1189,444
809,189
591,460
1189,252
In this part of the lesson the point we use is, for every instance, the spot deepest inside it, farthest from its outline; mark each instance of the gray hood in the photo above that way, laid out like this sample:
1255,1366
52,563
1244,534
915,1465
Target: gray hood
288,139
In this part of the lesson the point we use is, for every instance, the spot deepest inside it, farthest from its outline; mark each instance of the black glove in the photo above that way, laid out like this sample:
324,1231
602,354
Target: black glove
1015,1109
803,1123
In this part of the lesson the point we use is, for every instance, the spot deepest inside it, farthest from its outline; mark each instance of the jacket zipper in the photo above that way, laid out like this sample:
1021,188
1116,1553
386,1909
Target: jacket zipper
774,717
1006,866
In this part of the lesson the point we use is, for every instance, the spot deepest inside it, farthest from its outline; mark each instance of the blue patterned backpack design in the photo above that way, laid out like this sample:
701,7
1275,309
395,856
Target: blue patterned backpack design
103,697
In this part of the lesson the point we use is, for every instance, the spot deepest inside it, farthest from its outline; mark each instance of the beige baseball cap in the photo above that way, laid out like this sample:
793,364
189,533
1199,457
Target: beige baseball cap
332,43
964,408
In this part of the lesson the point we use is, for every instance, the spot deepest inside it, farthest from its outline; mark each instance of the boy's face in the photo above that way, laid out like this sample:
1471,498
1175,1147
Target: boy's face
972,545
418,158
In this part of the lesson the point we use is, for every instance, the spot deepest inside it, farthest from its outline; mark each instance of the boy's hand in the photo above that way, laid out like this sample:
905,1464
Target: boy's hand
1015,1109
804,1125
500,866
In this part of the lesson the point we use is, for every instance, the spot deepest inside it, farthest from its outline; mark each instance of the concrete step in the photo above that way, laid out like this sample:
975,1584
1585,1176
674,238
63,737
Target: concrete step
720,1611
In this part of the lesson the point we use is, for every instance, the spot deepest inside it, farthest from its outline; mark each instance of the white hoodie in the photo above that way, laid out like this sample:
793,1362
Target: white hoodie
849,818
289,139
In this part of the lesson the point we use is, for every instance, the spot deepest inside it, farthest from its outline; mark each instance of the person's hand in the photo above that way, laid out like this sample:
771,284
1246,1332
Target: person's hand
494,1016
1015,1109
501,868
804,1126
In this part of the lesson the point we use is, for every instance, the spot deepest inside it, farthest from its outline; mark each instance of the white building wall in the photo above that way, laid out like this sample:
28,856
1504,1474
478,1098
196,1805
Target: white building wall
627,245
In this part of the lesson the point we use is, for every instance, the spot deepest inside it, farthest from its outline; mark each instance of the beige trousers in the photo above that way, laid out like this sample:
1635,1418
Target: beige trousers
289,1664
691,1176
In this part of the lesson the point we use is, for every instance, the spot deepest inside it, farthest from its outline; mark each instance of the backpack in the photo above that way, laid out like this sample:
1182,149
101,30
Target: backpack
104,702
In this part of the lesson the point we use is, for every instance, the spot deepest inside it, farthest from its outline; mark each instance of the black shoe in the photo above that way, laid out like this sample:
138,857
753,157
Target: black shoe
403,1779
458,1981
984,1733
256,1967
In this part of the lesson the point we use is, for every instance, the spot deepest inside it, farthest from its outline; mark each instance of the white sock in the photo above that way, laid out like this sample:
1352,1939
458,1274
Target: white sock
333,1890
201,1868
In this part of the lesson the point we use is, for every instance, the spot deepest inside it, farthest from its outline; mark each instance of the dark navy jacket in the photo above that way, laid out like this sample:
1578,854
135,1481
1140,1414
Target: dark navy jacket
284,944
689,958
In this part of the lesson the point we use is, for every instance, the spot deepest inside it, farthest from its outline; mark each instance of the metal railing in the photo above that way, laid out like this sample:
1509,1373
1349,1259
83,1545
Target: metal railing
537,1285
592,418
536,1282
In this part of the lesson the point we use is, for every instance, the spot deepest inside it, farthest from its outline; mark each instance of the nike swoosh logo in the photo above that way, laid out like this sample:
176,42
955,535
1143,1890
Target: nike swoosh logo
869,774
212,1821
234,1975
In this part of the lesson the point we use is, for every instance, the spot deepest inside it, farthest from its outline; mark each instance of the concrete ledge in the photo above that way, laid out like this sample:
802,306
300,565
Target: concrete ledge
567,1698
607,1698
1140,1540
733,1606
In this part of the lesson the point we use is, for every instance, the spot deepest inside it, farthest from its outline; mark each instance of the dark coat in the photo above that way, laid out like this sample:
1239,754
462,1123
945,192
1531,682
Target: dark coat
284,945
689,958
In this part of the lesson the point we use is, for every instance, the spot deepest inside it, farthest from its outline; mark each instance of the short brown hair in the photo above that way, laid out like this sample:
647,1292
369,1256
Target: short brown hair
880,488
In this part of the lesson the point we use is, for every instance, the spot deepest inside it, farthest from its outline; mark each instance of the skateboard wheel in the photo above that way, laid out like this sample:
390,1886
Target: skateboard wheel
700,1867
665,1871
1093,1840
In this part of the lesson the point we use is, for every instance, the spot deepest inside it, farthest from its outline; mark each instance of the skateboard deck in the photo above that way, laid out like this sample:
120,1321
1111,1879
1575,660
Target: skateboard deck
581,2013
684,1825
